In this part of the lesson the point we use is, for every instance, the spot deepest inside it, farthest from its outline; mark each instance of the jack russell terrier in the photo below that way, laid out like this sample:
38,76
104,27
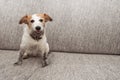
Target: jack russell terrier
34,41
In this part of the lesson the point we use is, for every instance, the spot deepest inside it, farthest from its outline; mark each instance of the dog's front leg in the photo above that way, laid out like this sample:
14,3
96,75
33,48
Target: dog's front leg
20,59
43,59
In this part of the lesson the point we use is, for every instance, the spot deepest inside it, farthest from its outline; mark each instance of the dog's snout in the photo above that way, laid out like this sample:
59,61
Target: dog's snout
38,27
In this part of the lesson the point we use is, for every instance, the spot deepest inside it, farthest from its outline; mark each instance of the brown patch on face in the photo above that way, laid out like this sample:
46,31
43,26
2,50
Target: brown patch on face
25,19
45,17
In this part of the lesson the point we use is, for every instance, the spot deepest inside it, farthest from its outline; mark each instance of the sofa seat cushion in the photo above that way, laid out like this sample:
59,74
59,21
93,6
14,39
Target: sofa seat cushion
63,66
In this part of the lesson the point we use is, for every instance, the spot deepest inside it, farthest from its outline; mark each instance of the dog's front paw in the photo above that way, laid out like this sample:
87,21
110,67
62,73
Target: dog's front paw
18,63
44,65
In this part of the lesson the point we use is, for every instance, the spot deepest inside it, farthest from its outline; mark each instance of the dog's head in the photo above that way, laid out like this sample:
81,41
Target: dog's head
35,22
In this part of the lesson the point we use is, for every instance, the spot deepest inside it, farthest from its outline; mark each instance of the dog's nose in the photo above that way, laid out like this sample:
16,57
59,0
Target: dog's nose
38,27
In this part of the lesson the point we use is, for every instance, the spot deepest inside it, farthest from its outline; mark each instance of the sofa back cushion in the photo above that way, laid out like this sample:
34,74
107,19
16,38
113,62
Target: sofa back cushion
91,26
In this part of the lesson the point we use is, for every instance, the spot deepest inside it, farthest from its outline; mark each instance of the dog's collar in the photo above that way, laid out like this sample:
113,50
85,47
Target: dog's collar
36,36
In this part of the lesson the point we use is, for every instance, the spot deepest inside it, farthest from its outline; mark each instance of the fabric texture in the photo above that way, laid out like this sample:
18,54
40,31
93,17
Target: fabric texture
78,25
62,66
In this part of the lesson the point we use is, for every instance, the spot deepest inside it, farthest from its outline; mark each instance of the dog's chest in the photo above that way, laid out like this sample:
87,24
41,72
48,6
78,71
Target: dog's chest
35,48
33,45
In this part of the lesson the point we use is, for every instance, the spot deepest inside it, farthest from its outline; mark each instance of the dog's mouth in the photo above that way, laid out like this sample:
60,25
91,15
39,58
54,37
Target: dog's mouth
37,34
38,31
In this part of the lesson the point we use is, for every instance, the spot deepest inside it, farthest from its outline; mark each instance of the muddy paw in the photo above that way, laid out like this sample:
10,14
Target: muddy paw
44,65
17,63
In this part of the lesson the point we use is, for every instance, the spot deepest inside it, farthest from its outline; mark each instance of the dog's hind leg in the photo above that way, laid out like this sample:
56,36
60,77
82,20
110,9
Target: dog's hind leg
20,59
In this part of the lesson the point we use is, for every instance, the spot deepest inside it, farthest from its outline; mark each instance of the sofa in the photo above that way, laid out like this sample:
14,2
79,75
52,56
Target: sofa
84,39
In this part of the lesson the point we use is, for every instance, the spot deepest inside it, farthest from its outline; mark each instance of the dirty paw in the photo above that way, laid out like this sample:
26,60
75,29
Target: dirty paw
44,65
17,63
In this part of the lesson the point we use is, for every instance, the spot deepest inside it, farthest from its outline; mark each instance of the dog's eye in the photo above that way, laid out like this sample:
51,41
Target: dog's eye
41,20
32,21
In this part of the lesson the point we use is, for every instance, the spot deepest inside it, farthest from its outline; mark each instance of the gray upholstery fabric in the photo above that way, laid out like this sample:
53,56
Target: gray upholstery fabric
78,25
63,66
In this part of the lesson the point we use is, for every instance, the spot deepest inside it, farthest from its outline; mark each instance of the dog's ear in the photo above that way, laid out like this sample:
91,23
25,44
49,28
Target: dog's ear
47,17
24,19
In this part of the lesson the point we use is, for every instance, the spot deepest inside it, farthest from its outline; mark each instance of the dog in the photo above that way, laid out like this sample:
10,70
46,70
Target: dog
34,41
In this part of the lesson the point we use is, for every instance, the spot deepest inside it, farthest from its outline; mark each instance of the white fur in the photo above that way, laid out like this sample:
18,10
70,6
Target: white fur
28,42
37,22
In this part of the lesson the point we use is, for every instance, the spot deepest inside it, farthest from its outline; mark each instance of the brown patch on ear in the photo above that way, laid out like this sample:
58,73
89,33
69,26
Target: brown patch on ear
25,19
47,17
